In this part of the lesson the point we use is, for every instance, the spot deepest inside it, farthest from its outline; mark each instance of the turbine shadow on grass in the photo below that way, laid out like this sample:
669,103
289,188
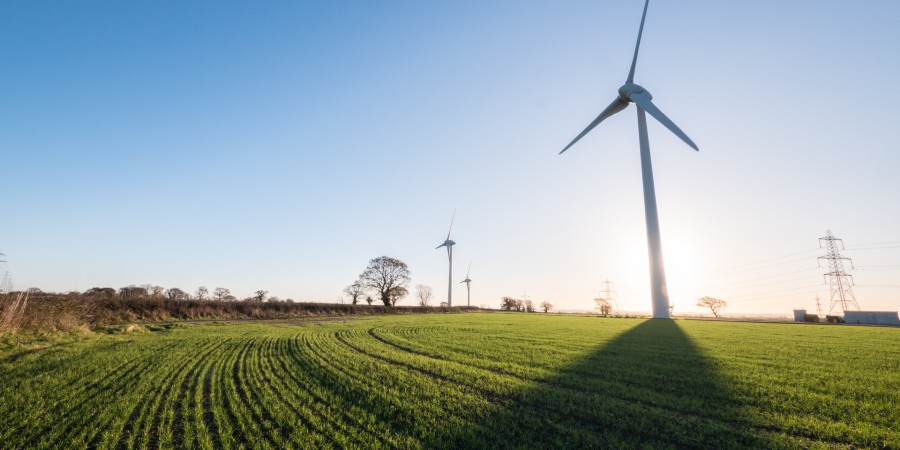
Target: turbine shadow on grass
650,387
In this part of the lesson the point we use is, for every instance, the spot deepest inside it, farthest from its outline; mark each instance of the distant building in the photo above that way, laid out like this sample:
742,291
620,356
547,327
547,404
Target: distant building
800,315
872,317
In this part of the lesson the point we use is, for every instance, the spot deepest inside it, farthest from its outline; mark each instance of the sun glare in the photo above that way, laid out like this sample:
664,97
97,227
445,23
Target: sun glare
681,263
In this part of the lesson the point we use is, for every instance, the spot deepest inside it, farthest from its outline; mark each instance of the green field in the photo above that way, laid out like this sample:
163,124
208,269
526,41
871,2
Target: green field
457,380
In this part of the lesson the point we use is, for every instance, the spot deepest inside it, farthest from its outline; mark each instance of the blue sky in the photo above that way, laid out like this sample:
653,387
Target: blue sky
281,145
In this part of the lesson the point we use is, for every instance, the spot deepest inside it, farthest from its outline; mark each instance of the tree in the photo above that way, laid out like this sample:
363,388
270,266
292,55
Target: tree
356,290
176,294
603,305
98,292
546,306
259,296
369,300
133,292
512,304
220,293
528,306
388,277
156,291
714,304
423,294
202,293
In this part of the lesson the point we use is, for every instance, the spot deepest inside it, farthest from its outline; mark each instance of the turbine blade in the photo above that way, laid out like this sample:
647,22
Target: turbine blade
617,105
439,246
451,223
637,46
642,99
469,269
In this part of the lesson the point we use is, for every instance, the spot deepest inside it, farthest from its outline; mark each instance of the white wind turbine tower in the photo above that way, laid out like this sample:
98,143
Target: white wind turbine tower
632,93
449,244
468,289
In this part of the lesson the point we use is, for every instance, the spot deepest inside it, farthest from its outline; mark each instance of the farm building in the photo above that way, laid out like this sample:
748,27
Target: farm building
800,315
872,317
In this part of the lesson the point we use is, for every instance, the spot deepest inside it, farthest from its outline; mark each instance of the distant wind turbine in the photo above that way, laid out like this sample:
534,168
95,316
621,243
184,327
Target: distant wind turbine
468,290
449,244
633,93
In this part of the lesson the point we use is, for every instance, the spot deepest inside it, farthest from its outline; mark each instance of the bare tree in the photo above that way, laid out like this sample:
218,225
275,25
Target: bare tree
546,306
603,305
369,300
714,304
133,292
356,290
220,293
259,296
388,277
157,292
176,294
423,294
528,305
202,293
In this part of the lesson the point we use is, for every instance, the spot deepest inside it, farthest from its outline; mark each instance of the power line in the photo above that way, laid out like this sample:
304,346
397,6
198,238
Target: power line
877,268
752,269
871,248
779,291
768,284
766,297
870,244
761,278
739,266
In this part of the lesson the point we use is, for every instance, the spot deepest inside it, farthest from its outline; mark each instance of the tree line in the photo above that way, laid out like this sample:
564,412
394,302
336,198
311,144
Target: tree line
515,304
153,292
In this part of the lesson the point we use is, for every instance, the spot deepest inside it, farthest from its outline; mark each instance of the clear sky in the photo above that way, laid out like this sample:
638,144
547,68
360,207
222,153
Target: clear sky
281,145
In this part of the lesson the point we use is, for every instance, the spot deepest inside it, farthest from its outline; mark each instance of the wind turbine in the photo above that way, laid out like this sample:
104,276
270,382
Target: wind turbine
468,288
633,93
449,244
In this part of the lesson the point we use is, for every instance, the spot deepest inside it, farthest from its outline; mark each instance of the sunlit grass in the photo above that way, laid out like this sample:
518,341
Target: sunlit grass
459,380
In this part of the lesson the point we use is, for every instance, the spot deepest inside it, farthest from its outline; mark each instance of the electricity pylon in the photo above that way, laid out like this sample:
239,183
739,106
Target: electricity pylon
839,282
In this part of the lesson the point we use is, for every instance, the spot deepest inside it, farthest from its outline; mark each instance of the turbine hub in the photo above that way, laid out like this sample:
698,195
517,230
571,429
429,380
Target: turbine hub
631,88
448,243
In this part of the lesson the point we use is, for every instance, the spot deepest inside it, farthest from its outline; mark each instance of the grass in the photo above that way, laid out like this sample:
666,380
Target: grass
456,381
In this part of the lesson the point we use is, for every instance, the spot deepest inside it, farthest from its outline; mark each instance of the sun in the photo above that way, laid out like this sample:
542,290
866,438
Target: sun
682,261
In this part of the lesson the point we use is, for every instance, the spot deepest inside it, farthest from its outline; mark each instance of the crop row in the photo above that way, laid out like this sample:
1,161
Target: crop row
458,381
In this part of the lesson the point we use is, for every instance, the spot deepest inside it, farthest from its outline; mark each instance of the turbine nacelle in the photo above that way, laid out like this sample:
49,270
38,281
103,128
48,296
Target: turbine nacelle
628,89
448,243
